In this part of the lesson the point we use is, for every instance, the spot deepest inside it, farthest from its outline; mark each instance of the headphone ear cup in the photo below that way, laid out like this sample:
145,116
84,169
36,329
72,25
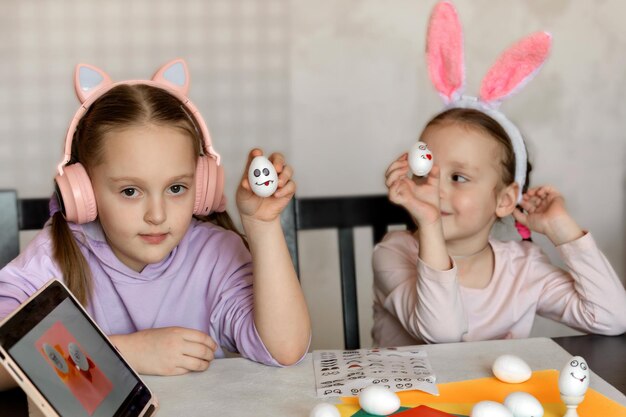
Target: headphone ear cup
219,200
75,194
205,185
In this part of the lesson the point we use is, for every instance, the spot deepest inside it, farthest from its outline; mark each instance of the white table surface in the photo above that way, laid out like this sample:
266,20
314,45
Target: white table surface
239,387
242,388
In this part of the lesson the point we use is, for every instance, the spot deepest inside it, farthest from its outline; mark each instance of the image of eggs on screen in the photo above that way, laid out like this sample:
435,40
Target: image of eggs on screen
72,365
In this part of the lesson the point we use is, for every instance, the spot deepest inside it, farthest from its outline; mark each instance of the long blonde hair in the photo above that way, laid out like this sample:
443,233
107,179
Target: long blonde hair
121,107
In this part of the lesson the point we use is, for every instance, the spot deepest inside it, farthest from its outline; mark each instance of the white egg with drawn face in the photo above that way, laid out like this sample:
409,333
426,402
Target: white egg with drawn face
262,177
56,358
78,357
420,159
574,378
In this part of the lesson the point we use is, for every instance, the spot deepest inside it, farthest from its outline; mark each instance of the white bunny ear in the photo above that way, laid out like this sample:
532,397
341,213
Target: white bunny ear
444,52
515,67
175,75
89,79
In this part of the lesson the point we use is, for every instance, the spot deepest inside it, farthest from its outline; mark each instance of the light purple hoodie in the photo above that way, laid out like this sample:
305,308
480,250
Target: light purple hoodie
205,283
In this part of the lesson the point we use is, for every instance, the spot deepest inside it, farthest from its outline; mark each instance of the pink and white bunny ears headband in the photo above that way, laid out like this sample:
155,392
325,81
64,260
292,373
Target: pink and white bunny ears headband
514,68
73,186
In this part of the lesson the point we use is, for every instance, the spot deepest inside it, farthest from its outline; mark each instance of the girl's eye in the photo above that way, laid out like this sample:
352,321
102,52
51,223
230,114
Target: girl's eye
177,189
129,192
458,178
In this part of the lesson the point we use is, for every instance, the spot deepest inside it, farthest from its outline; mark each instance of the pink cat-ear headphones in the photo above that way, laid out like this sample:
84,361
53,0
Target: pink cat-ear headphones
72,184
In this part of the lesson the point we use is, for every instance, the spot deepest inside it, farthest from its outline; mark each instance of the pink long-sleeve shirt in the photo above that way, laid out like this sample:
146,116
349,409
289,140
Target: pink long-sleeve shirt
205,283
414,303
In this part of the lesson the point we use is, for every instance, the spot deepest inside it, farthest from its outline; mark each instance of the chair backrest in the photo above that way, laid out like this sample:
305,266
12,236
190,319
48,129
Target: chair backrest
18,214
343,214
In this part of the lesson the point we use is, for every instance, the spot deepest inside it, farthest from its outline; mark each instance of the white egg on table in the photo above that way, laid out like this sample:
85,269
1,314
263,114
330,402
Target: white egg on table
490,409
574,378
420,159
379,400
324,410
522,404
262,176
511,369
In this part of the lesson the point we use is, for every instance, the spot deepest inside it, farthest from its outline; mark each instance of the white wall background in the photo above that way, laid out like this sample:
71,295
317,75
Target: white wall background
339,86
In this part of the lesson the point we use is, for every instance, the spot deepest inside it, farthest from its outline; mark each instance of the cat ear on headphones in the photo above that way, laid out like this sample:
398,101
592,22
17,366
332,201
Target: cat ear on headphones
89,79
174,75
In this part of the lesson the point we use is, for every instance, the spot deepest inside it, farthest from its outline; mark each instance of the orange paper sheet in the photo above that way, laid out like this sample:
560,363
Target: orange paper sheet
458,396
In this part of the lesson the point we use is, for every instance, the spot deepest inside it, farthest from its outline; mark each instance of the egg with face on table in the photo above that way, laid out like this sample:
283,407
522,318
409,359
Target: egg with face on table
522,404
511,369
574,378
490,409
262,176
379,400
420,159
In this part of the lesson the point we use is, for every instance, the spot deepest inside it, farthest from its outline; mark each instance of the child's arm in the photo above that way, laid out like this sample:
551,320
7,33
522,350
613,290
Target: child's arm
280,312
421,200
166,351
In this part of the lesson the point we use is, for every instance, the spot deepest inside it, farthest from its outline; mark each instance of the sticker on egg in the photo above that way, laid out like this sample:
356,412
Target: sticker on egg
511,369
420,159
379,400
490,409
262,177
522,404
574,378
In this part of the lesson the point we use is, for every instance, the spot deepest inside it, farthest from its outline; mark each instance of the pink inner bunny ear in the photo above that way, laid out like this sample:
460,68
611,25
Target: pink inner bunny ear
175,75
515,67
89,79
444,51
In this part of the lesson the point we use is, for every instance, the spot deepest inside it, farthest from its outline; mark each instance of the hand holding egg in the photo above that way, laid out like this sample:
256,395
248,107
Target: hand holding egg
420,159
262,176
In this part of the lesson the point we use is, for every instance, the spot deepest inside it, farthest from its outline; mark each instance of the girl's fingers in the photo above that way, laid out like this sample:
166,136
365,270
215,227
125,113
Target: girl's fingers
278,160
288,189
285,175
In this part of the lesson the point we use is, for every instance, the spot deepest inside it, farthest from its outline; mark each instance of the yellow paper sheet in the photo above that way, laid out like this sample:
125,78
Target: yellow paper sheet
464,394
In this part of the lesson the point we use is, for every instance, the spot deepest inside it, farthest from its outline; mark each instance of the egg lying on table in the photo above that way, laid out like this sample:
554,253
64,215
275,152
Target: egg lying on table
379,400
262,177
574,378
523,404
324,410
490,409
420,159
511,369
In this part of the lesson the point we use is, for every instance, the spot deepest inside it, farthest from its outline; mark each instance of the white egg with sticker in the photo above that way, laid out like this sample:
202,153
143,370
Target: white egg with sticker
379,400
262,177
420,159
574,378
511,369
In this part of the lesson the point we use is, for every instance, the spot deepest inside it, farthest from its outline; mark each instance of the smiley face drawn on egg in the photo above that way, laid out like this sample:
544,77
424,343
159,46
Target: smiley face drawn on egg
262,177
420,159
574,378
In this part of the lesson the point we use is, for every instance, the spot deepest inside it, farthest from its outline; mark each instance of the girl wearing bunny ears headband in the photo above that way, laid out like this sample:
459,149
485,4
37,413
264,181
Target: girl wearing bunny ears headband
449,280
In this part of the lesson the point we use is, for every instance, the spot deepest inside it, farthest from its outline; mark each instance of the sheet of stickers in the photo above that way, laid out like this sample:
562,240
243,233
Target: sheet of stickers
346,372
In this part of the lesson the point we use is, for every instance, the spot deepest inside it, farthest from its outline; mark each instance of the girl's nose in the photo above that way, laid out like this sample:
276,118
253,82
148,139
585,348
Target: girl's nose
155,212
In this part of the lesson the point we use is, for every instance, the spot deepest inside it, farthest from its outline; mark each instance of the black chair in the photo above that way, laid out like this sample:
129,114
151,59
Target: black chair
18,214
343,214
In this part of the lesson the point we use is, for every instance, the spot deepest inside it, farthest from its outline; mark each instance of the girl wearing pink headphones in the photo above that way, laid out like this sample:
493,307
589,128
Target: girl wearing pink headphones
141,237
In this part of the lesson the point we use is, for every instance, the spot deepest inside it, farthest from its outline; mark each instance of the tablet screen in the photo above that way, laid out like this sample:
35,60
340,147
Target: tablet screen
68,359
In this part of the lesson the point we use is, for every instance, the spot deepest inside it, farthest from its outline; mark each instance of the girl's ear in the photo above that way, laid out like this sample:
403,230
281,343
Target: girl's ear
444,52
89,79
175,75
507,200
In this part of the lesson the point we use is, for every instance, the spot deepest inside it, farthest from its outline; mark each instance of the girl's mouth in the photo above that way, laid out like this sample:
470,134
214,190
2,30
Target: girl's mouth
154,239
